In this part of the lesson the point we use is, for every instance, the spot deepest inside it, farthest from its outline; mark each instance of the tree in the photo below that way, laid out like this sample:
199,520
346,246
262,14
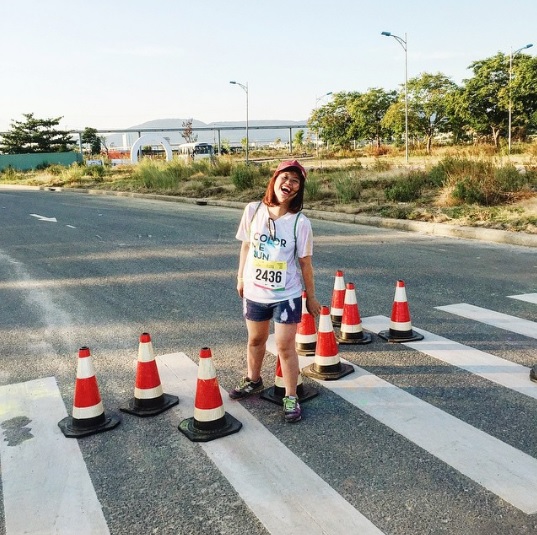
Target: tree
333,121
188,133
90,137
298,139
36,136
367,111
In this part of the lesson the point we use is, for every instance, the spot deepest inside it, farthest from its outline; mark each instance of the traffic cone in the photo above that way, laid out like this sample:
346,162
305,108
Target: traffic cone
306,333
149,399
276,393
351,331
327,365
400,325
88,415
338,299
210,421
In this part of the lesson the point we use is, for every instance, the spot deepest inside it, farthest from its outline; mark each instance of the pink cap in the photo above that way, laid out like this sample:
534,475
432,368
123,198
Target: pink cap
288,164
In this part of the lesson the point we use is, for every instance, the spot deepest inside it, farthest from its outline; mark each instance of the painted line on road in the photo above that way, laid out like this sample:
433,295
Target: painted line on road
495,369
530,298
46,485
496,319
496,466
259,467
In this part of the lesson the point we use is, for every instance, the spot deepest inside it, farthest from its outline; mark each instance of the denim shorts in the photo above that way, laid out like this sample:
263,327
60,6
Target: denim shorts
288,311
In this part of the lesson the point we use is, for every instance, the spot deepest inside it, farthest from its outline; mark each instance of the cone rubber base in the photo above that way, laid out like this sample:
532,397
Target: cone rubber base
327,375
166,403
73,430
533,374
365,339
188,428
276,395
390,337
306,352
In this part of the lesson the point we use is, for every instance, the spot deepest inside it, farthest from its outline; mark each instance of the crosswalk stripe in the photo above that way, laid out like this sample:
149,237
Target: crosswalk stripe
46,485
260,467
500,371
498,467
530,298
496,319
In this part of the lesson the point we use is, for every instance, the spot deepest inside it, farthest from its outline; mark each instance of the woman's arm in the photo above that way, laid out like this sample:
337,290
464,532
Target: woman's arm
306,266
245,247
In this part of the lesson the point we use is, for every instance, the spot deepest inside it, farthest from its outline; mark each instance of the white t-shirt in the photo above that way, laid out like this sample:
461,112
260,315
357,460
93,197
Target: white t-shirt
271,272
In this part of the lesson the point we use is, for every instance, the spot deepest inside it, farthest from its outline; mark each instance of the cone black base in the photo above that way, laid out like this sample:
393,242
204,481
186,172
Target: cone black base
275,394
230,425
73,428
305,351
406,336
364,339
327,373
143,407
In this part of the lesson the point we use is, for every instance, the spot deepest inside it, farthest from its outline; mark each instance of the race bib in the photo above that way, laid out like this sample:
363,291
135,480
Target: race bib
270,275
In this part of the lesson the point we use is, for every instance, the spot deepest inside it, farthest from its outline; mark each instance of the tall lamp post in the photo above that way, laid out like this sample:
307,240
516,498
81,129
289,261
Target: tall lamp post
316,104
511,55
245,88
404,44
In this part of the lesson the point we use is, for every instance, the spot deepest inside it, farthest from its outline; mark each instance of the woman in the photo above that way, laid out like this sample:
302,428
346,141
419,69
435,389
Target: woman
275,234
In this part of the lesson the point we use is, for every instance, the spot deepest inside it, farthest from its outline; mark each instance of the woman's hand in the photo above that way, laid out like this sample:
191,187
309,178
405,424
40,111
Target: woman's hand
240,287
313,306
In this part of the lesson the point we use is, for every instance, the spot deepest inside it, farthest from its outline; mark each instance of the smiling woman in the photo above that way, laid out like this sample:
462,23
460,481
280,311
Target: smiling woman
274,267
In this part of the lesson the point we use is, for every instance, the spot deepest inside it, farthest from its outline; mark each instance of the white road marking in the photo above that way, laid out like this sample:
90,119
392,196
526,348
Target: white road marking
259,467
500,468
496,319
530,298
43,218
490,367
46,485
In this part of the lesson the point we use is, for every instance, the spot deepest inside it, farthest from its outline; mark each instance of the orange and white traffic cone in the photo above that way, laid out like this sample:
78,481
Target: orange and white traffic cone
210,420
400,325
276,393
351,331
88,415
306,333
338,299
327,365
149,399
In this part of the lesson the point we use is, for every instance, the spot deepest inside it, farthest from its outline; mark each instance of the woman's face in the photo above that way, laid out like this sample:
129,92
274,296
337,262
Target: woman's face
286,186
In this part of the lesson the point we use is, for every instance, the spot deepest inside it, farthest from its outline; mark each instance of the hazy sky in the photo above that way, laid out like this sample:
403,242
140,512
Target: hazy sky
119,63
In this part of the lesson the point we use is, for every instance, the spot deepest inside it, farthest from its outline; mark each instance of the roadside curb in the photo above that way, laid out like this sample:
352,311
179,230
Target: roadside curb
434,229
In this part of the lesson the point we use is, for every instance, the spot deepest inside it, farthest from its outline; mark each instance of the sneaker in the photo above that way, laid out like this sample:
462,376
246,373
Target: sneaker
291,409
245,388
533,373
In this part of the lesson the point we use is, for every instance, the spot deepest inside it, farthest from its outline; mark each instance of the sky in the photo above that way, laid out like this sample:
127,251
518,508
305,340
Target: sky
115,64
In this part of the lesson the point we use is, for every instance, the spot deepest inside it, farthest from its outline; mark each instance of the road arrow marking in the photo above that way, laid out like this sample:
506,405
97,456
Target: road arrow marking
43,218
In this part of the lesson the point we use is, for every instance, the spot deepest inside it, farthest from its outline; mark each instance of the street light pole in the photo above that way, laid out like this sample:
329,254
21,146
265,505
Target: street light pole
404,44
245,88
511,55
316,103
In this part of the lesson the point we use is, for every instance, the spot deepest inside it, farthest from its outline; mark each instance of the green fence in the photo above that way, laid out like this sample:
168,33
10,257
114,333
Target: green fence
23,162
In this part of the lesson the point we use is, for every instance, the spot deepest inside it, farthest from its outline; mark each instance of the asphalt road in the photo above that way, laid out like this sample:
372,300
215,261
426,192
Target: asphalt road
84,270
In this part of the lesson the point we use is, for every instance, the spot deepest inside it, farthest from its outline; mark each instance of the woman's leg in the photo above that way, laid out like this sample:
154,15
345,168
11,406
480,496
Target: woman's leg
258,332
285,334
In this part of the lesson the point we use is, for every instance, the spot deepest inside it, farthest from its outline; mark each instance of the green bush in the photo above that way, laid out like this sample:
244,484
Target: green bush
244,176
348,188
312,188
407,189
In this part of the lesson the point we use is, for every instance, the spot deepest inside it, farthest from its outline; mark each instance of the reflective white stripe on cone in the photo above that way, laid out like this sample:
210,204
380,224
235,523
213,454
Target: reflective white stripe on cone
149,399
400,325
327,365
338,299
88,416
210,420
351,331
306,333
